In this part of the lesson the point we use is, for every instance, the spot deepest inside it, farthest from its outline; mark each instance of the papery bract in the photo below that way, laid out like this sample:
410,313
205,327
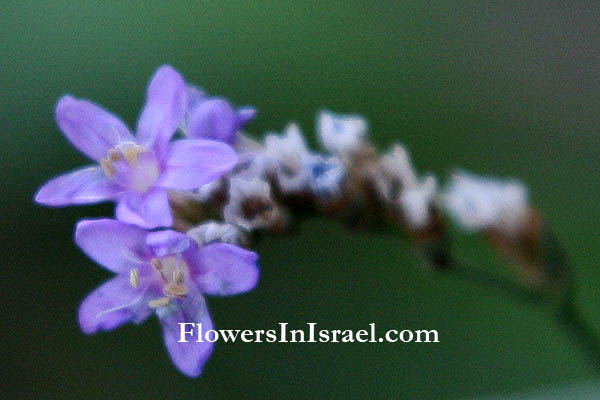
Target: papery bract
478,202
341,134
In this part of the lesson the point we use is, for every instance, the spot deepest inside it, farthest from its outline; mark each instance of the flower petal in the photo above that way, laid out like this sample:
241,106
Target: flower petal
113,304
224,269
213,119
166,103
195,96
150,210
189,357
192,163
82,186
113,244
167,242
90,128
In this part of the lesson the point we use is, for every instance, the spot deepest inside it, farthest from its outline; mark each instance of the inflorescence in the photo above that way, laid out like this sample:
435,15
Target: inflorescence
193,191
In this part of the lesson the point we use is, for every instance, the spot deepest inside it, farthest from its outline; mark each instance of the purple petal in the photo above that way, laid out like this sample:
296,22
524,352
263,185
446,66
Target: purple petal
82,186
192,163
113,304
149,210
113,244
195,96
166,104
188,357
224,269
212,119
167,242
244,115
89,127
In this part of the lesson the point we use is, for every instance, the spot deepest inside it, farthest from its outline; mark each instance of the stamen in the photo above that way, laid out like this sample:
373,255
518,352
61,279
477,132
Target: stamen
178,276
134,277
108,168
160,302
175,290
131,154
114,155
156,264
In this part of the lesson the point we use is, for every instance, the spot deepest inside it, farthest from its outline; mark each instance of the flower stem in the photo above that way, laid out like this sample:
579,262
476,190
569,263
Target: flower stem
579,329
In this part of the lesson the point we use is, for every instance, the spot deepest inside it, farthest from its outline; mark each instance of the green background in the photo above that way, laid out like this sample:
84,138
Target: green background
503,88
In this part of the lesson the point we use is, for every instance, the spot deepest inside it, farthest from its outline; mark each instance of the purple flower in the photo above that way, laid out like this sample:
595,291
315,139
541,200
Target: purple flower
136,172
163,272
214,118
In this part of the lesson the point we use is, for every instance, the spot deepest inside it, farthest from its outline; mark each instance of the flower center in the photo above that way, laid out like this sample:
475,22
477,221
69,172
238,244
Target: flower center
132,166
172,271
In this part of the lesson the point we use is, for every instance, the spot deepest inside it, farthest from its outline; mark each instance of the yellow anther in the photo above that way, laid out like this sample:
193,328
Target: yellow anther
134,277
178,276
108,168
114,155
131,154
175,290
160,302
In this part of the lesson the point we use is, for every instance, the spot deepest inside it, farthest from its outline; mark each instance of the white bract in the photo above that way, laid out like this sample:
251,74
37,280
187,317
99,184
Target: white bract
290,154
477,202
326,176
341,134
398,183
416,202
212,231
240,191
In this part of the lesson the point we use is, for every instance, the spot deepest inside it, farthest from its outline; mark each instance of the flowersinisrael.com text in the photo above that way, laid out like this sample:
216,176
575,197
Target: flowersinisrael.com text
311,334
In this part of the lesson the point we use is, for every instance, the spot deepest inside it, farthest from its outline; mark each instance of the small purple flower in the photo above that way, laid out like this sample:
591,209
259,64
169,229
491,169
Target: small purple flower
136,172
163,272
214,118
